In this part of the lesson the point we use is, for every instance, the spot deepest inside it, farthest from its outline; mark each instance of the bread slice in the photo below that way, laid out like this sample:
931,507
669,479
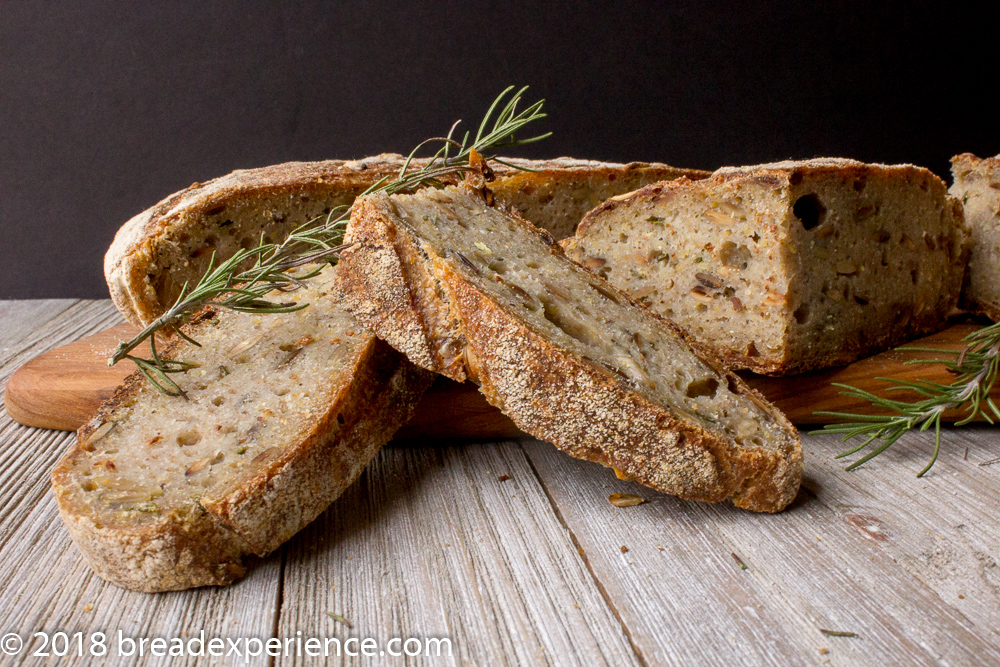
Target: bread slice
160,249
283,413
472,290
977,186
556,194
787,267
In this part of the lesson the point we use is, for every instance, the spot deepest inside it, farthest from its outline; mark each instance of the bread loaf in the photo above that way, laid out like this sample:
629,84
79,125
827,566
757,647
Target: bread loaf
977,186
282,414
473,291
786,267
155,253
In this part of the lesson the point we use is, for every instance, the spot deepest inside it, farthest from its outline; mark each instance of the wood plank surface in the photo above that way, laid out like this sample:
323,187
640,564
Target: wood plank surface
530,570
942,528
452,551
808,569
62,388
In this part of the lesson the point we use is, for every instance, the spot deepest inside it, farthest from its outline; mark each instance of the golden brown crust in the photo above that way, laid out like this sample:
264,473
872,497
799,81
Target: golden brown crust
549,392
131,258
130,265
204,545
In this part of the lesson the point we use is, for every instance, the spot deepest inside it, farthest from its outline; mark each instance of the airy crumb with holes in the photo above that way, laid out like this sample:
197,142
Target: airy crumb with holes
473,291
787,267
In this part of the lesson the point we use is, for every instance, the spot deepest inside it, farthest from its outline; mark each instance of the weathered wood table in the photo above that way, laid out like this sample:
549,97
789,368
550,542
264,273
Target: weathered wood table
540,568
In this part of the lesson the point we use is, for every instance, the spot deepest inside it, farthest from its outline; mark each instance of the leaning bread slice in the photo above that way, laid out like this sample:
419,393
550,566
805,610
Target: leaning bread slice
471,290
282,414
155,253
977,186
787,267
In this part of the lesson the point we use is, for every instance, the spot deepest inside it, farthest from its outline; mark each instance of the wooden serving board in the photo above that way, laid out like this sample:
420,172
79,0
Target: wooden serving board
62,388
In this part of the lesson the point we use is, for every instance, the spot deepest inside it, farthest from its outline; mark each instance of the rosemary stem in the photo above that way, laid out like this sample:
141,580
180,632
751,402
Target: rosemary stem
251,289
975,368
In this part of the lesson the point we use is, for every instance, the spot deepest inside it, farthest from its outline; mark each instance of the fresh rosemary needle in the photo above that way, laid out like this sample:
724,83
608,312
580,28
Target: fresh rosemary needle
249,290
975,368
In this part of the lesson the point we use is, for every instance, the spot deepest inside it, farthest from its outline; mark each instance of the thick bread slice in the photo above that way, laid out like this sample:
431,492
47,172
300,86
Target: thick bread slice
160,249
283,413
787,267
474,291
977,186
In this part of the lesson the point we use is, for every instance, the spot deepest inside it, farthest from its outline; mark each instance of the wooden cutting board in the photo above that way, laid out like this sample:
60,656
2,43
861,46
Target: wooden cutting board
62,388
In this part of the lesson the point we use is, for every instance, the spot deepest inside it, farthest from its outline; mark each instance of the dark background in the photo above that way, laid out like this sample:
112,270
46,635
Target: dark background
106,108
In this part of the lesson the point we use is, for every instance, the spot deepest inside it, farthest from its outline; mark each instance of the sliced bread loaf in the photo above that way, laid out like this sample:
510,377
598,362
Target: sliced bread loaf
790,266
160,249
472,290
977,186
282,414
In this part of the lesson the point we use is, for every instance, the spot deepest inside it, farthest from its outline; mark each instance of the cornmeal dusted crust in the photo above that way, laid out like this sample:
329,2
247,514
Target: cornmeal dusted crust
790,266
155,253
190,487
435,304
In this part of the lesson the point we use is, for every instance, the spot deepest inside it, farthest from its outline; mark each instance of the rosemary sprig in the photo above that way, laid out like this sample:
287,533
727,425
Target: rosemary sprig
975,369
319,240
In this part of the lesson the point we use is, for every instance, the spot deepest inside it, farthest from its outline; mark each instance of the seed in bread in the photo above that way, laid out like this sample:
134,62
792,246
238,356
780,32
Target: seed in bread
155,253
786,267
977,186
473,291
282,414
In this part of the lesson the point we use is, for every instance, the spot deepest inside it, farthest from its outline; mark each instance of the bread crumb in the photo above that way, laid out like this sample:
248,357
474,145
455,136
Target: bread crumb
823,650
625,499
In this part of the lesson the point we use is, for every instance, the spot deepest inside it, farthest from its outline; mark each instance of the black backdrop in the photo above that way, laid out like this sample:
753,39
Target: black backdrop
105,108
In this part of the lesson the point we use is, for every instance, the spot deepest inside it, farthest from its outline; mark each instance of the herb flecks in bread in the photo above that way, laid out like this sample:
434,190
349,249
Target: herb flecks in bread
473,291
283,412
790,266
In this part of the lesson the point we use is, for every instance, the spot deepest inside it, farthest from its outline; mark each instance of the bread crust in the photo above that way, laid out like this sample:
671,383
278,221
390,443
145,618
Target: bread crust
130,263
204,545
174,553
387,279
131,257
783,176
